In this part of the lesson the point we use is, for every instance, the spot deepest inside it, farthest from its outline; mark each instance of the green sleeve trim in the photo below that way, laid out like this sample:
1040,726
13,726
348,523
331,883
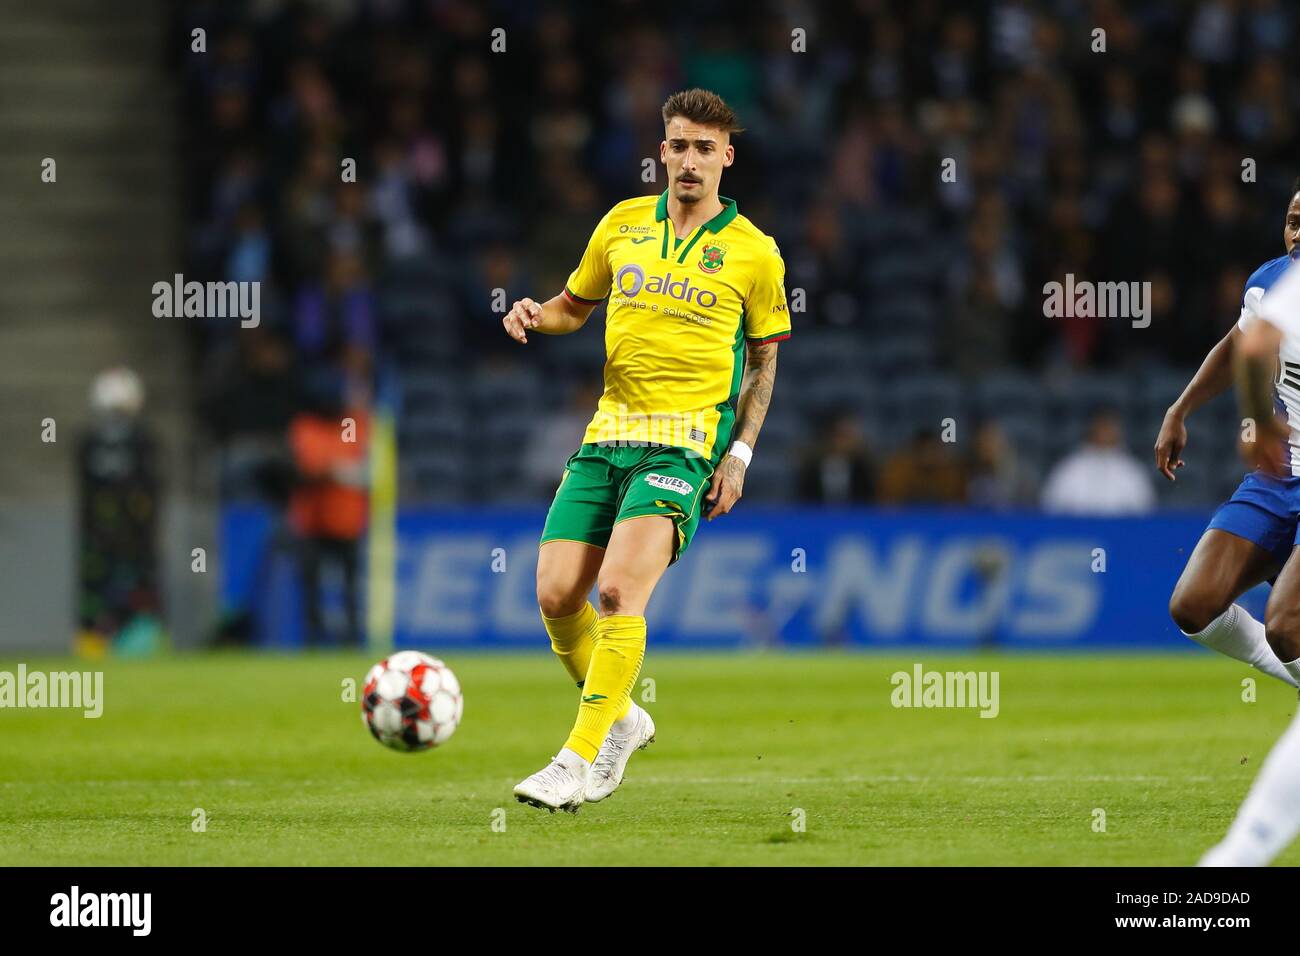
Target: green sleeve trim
577,298
774,337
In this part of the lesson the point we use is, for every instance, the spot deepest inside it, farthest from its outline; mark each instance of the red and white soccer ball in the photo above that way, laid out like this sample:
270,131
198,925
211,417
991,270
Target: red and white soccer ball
411,702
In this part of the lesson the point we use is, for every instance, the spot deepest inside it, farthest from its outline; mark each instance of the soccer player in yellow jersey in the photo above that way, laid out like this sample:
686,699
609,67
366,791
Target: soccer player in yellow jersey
696,307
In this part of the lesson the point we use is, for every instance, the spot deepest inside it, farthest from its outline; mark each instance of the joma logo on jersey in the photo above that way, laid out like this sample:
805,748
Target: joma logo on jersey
669,483
631,279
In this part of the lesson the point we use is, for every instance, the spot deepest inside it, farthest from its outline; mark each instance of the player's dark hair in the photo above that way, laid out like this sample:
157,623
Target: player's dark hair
1295,187
703,107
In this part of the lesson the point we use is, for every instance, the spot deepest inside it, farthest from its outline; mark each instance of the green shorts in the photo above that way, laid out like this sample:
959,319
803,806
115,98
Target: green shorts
605,484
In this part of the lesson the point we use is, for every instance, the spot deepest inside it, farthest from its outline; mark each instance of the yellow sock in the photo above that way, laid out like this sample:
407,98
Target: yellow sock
571,639
615,663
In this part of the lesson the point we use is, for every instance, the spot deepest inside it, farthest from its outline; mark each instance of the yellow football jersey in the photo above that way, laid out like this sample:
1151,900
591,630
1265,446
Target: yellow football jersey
679,311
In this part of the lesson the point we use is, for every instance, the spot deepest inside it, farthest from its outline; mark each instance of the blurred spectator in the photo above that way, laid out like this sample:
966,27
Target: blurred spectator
838,470
998,479
250,395
554,437
118,596
329,507
979,329
1100,478
335,314
923,473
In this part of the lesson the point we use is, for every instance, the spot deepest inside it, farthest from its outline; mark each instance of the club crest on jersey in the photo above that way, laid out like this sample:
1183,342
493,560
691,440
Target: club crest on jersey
669,483
711,259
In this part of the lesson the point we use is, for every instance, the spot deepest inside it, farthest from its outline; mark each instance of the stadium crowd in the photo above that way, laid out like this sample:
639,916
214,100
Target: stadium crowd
1145,141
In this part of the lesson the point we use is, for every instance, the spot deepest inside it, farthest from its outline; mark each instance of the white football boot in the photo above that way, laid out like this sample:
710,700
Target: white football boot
607,769
557,786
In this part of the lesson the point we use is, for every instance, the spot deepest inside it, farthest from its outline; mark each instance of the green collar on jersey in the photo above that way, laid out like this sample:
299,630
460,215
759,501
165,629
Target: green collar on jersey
714,225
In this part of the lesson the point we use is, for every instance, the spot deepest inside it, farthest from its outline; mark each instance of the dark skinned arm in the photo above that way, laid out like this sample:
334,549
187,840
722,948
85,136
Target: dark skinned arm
1213,378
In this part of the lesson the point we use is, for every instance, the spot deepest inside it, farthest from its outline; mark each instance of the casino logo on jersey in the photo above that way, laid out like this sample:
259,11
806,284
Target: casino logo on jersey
642,233
711,259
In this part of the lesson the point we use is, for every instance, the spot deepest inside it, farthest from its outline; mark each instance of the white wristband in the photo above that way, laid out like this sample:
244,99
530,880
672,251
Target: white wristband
742,451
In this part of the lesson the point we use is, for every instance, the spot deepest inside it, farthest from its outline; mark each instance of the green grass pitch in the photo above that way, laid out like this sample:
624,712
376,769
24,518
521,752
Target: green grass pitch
286,774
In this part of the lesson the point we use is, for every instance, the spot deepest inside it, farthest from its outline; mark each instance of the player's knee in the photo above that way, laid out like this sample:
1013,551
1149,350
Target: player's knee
1191,611
556,600
1282,630
610,595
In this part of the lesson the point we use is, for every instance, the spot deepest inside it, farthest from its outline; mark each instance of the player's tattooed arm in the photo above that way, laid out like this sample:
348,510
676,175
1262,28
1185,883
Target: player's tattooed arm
755,396
756,392
558,315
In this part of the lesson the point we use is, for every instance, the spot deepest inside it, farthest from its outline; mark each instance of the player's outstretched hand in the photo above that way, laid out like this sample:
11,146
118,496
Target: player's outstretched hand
725,487
523,315
1170,444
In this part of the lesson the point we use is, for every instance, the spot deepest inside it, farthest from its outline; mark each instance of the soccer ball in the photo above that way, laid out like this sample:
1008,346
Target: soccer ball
411,702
